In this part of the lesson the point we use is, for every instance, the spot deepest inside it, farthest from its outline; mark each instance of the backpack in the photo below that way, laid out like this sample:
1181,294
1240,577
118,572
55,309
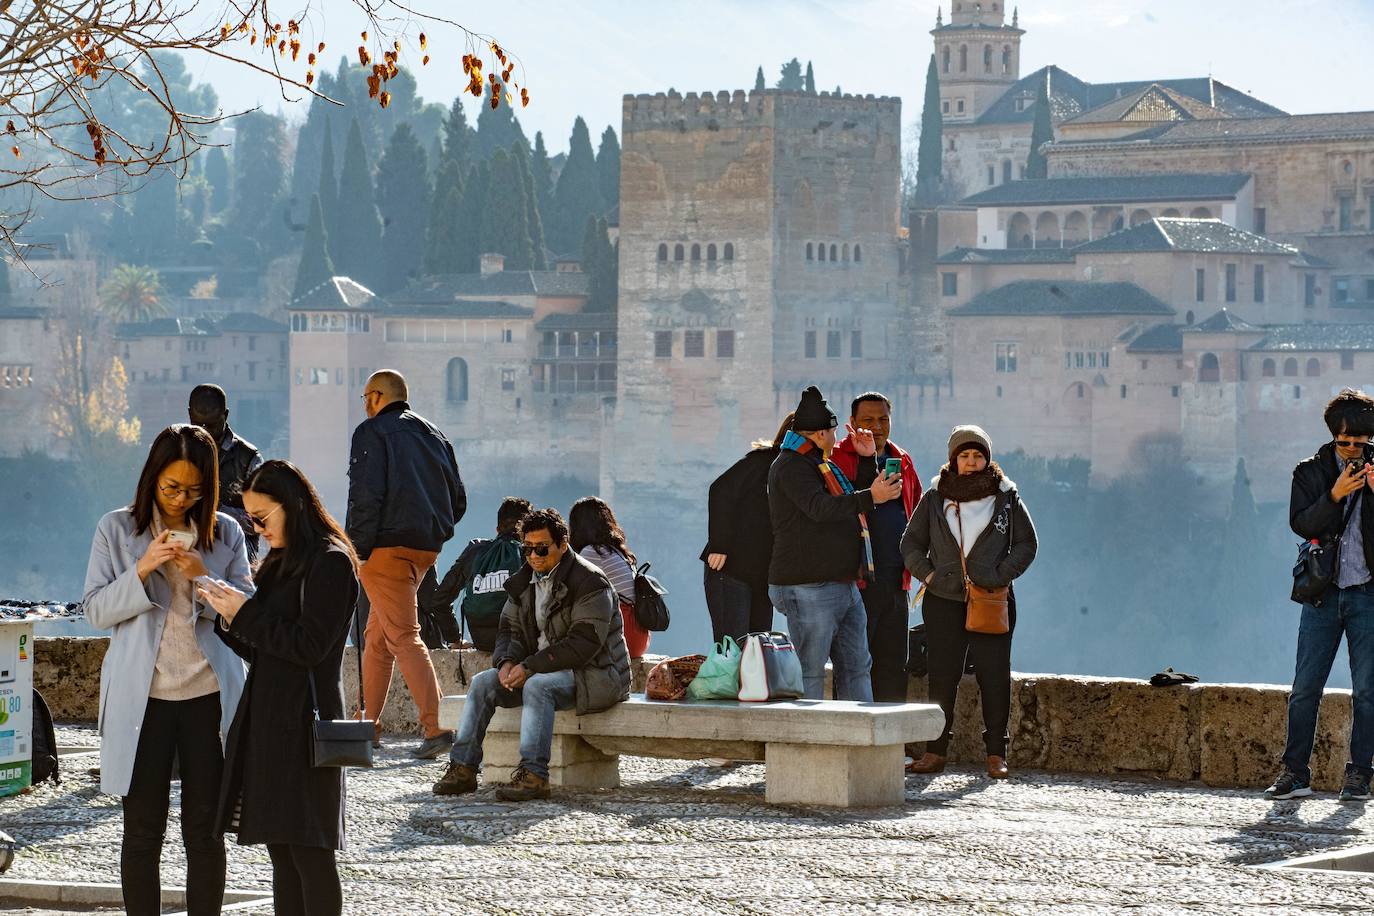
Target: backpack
44,743
485,595
651,611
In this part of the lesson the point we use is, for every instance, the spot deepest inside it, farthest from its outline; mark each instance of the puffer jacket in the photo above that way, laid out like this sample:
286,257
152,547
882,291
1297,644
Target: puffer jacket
929,544
585,632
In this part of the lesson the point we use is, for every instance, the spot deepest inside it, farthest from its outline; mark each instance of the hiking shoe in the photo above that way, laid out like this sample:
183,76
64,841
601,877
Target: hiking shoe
430,748
1356,787
1288,785
523,786
458,779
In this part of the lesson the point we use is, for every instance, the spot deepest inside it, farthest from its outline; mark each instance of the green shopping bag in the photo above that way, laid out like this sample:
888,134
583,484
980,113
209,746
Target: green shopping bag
718,678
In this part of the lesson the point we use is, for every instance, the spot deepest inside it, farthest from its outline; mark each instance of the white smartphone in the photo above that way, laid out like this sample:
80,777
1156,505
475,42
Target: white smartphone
206,582
185,539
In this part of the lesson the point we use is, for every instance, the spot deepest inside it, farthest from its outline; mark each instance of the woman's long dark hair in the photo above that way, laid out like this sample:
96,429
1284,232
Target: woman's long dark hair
309,526
181,442
592,523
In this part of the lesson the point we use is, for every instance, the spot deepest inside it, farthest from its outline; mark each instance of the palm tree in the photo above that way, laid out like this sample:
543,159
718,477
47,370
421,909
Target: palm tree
132,294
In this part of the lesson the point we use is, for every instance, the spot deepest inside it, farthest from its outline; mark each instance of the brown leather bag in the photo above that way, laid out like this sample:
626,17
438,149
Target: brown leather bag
986,608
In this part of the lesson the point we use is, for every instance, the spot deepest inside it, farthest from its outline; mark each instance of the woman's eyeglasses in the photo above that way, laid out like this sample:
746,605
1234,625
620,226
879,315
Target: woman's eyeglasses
539,550
171,492
260,523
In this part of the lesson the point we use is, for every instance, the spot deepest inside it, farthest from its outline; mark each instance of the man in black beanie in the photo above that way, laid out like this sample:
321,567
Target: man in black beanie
821,550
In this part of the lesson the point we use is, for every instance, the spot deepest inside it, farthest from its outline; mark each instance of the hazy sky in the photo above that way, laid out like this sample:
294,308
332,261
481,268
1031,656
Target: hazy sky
581,56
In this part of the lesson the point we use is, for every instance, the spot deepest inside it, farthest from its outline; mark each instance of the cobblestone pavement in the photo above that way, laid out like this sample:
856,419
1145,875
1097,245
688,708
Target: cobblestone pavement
679,837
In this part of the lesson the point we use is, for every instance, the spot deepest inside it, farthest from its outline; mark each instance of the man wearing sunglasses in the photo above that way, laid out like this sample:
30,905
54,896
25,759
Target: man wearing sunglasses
560,645
1331,498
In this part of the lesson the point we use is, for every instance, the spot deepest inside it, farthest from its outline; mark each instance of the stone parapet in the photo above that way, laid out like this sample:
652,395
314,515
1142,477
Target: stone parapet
1227,735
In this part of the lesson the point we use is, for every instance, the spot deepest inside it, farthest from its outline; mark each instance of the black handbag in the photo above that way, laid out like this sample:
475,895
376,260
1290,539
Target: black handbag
651,611
340,742
1317,565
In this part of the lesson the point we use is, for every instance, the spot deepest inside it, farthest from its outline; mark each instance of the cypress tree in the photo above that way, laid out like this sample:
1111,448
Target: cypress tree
258,176
458,138
356,234
533,224
608,168
315,267
442,239
155,238
599,263
328,190
1042,132
305,172
469,246
403,200
504,228
542,172
497,129
759,84
578,194
217,173
930,152
6,293
810,79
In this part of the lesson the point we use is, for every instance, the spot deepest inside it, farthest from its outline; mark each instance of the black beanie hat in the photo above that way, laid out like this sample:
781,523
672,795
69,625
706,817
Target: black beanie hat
813,413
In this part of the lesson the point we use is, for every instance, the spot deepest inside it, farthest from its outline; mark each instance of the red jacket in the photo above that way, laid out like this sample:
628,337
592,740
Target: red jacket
846,458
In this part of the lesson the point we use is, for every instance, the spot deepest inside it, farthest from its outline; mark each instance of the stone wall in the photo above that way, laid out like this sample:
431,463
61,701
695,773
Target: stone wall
1222,734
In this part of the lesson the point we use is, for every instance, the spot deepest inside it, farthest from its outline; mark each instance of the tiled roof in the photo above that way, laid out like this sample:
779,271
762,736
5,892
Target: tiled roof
458,308
445,287
334,294
578,321
1070,97
1224,321
1339,126
1208,236
1107,189
1063,298
1006,256
1162,338
167,327
1183,107
1317,337
249,323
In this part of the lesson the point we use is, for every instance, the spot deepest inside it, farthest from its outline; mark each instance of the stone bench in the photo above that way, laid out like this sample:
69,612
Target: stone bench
818,752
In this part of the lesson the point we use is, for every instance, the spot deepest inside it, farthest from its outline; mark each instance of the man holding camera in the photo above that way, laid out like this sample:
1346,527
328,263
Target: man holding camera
1330,500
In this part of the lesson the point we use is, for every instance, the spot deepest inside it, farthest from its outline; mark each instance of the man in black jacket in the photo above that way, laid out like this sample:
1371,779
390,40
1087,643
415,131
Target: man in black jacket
481,570
561,645
404,498
209,409
1331,500
820,550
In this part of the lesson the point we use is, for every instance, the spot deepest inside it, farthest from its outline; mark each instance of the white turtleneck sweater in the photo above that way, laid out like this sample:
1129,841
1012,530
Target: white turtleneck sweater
977,515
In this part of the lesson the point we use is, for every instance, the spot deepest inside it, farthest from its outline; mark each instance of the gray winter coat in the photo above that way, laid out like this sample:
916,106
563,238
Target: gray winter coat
585,634
929,545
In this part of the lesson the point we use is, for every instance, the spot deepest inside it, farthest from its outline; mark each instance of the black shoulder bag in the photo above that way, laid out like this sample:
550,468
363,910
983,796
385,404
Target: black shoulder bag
1318,562
340,742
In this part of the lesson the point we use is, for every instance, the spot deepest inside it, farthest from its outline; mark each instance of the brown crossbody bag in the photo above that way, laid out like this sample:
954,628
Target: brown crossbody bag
986,608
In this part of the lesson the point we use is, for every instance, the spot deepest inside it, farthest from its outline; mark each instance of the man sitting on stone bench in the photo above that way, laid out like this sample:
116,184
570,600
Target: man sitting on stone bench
560,645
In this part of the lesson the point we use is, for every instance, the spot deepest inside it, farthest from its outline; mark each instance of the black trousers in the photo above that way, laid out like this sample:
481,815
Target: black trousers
735,606
305,881
185,730
948,645
886,605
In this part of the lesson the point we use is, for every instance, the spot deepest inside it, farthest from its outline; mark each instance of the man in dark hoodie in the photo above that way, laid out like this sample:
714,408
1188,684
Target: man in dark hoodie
821,549
1331,500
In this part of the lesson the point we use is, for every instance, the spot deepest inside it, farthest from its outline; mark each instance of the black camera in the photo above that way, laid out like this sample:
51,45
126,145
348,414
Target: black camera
1366,458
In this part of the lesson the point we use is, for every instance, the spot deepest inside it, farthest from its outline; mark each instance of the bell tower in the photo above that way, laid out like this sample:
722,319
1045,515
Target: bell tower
978,56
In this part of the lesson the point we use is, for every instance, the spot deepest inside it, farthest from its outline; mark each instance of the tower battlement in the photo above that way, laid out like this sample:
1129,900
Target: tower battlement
713,110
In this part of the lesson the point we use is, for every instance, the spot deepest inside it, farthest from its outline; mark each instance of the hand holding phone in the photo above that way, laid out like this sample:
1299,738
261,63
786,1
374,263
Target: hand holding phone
894,467
183,539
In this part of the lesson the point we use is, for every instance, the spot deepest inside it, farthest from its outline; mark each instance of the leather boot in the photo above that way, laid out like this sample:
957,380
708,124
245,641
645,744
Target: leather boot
927,763
997,767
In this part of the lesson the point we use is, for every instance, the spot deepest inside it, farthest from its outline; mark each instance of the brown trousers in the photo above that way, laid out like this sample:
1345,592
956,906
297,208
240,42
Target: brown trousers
391,577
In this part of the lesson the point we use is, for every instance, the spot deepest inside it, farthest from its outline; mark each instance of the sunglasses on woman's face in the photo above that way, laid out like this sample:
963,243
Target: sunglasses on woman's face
1350,443
539,550
261,523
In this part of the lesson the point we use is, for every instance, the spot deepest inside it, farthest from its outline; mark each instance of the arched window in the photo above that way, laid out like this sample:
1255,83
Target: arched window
963,58
1268,368
845,251
1290,367
833,251
711,252
944,54
1006,60
987,58
1189,317
696,252
810,255
820,252
858,255
457,380
1314,368
1209,369
663,251
679,252
729,252
1006,170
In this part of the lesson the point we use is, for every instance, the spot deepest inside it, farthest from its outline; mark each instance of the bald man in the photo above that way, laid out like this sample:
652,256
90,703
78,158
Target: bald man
404,498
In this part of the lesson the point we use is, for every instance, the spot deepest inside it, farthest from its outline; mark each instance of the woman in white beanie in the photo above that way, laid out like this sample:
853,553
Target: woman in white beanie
973,498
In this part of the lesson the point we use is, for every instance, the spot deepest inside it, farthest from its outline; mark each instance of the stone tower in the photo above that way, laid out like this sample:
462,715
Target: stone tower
978,56
759,253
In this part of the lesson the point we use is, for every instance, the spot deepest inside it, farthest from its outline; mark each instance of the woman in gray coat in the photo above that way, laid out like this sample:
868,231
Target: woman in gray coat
168,686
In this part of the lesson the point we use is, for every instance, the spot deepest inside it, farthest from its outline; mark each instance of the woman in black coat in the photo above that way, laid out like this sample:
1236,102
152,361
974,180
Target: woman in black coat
740,543
292,630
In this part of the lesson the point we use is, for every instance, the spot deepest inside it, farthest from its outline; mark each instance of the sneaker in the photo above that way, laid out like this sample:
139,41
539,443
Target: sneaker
430,748
458,779
1356,787
1288,785
523,786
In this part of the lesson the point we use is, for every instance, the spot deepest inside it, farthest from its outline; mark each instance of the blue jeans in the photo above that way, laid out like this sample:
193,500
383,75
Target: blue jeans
1348,611
542,695
827,620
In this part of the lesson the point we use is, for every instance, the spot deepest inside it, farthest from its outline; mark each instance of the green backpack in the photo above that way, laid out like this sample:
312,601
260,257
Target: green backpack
485,595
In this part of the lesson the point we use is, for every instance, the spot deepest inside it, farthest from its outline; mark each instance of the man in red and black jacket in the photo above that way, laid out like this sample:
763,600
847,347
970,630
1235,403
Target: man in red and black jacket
885,598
